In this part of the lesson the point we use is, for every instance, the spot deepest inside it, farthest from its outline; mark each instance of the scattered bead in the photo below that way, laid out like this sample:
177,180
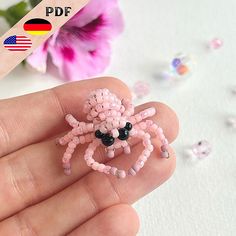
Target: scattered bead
232,122
182,70
141,89
216,43
176,62
201,149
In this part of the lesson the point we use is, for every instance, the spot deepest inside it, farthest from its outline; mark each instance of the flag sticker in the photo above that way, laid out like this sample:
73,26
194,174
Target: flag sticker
17,43
37,26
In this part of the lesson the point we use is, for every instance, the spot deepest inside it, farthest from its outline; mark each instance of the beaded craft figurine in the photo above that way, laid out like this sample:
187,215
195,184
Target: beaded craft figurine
112,124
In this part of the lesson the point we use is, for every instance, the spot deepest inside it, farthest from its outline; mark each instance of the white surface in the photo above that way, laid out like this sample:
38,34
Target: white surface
200,198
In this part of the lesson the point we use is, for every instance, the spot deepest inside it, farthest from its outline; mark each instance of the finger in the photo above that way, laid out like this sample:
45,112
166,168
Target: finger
35,172
90,195
118,220
30,118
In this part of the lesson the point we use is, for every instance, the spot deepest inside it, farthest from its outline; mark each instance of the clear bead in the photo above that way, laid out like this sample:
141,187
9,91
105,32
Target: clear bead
141,89
202,149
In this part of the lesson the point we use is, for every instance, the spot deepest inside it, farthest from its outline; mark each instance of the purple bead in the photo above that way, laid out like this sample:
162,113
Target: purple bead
202,149
176,62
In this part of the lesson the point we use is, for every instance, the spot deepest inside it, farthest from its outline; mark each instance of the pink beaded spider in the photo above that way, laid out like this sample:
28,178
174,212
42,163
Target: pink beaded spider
112,123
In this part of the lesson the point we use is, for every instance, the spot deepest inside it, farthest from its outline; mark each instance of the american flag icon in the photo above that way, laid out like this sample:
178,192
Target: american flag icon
17,43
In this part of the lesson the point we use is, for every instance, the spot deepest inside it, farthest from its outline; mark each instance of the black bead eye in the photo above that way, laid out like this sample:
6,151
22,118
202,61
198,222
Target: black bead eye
128,126
98,134
107,140
124,134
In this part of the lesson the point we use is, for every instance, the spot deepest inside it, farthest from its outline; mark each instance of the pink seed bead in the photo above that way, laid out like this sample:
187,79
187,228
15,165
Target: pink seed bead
150,148
143,158
136,167
101,167
107,169
146,153
164,148
67,171
143,125
66,165
127,150
132,172
113,170
95,166
121,174
102,116
165,154
90,162
110,154
141,163
216,43
82,139
70,150
72,145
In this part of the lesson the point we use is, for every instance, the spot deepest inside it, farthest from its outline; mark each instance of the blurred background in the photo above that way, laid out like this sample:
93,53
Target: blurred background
200,199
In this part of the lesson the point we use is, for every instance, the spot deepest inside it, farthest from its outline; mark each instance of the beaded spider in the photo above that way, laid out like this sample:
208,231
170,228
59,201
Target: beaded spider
112,123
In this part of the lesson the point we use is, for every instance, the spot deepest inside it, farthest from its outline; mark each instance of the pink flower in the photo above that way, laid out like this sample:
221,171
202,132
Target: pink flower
81,48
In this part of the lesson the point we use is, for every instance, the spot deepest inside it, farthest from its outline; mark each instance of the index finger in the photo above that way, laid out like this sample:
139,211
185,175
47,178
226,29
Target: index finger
31,118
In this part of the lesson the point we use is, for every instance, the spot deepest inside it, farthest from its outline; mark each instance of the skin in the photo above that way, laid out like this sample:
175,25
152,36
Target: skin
36,198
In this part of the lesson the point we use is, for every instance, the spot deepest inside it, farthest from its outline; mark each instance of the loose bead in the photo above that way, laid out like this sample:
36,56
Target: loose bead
216,43
202,149
141,89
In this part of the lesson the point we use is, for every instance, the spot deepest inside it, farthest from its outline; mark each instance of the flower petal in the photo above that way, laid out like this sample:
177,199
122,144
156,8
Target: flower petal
38,59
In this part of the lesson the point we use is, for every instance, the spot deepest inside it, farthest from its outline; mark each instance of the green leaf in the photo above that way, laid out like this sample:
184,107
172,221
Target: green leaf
34,3
15,13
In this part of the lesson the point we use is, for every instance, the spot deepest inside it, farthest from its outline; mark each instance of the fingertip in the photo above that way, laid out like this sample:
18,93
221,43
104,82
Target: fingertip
125,221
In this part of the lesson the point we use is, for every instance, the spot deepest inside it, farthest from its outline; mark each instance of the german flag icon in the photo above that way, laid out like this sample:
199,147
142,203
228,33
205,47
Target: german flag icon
37,26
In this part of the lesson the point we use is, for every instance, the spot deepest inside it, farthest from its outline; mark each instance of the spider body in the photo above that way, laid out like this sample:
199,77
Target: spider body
112,123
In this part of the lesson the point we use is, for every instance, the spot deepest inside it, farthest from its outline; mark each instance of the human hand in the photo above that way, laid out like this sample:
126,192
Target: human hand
36,198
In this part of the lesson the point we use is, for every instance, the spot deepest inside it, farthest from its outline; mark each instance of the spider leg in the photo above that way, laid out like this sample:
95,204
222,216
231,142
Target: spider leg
126,147
149,112
80,129
148,148
100,166
150,127
71,120
71,149
129,108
